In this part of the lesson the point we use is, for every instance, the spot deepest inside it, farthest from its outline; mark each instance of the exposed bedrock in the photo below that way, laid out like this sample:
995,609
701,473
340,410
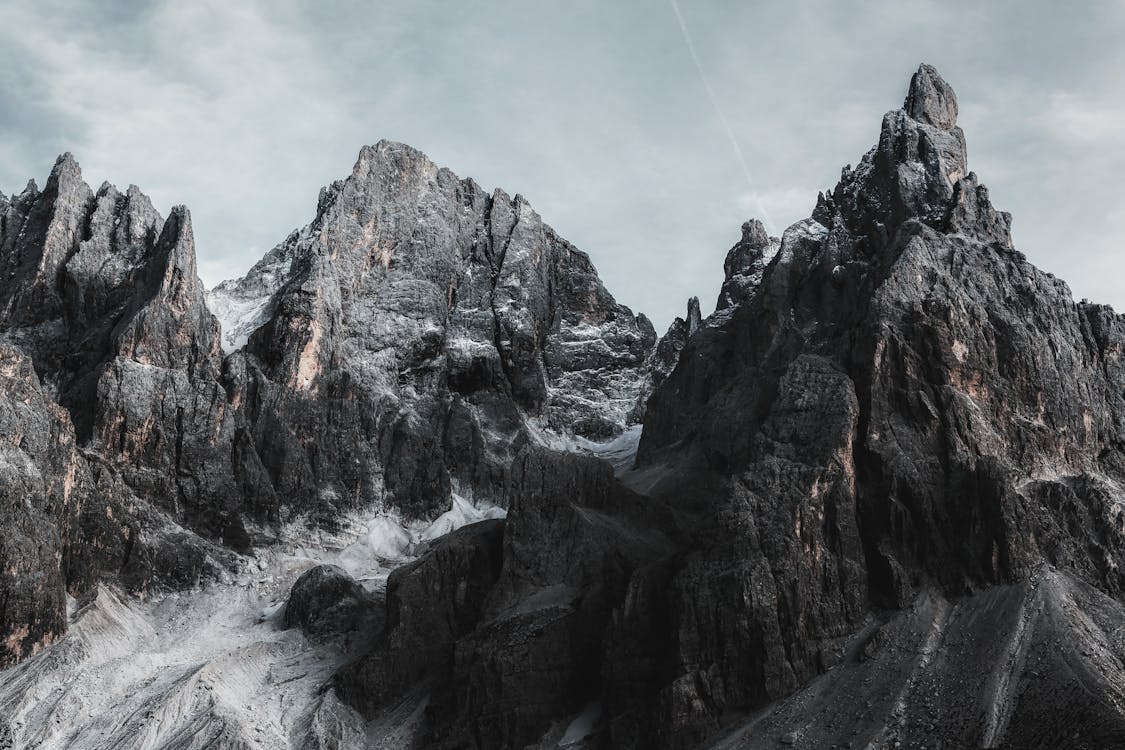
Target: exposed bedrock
877,500
396,347
401,348
904,404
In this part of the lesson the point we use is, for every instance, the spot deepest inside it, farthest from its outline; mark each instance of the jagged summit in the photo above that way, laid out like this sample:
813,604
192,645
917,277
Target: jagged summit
745,263
66,161
877,500
754,234
931,100
896,409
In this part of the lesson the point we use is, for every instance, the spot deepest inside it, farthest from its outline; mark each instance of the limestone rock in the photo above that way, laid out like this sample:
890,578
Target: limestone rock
945,407
416,307
326,601
931,100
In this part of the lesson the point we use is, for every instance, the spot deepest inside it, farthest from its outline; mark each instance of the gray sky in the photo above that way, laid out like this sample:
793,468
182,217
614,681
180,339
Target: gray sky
594,111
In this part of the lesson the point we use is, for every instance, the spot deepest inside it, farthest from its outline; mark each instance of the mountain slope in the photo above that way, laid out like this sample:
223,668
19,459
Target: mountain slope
418,315
876,501
904,406
403,347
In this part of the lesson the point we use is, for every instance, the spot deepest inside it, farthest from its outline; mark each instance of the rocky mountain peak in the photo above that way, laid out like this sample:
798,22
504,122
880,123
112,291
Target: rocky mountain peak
29,193
931,100
754,235
170,324
907,379
391,159
66,163
694,317
745,263
877,501
911,174
432,308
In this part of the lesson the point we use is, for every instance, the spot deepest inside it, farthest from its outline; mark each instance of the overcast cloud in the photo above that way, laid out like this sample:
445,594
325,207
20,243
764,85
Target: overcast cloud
594,111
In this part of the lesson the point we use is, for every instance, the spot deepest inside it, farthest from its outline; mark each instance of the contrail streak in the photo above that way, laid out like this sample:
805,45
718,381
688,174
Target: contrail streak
722,117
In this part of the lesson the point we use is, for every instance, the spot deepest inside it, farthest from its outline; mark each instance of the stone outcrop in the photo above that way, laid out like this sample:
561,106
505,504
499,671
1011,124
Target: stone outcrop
431,604
905,404
876,501
394,346
745,265
326,602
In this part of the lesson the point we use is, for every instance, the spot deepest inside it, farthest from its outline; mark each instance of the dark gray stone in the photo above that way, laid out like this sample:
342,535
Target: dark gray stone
931,100
903,404
325,602
431,604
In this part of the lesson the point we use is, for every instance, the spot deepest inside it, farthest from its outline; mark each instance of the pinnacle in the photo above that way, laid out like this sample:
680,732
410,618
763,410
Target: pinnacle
931,100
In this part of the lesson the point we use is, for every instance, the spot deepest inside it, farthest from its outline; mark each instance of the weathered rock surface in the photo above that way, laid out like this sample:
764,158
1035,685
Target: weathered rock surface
40,488
399,340
101,314
431,604
1032,664
504,622
325,602
904,404
671,344
574,536
745,265
877,499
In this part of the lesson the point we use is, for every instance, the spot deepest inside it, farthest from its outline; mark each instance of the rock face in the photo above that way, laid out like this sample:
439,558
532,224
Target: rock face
118,426
1000,668
876,502
39,492
102,294
904,404
394,345
431,603
325,602
405,345
671,344
745,265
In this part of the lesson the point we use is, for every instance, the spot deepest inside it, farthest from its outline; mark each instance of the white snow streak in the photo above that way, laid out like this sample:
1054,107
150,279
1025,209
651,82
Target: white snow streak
212,667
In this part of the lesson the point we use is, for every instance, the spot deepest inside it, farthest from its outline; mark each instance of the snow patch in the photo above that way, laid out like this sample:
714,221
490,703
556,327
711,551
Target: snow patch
388,539
238,317
242,306
461,514
214,664
582,726
619,451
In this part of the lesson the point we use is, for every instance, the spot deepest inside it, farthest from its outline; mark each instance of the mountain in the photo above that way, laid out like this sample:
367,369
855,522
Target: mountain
418,480
384,365
904,450
408,341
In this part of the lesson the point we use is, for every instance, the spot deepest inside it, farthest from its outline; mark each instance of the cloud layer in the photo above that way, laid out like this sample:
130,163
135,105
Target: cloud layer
594,111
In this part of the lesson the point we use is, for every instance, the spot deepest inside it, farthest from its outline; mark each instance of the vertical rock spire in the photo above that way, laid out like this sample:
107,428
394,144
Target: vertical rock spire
931,100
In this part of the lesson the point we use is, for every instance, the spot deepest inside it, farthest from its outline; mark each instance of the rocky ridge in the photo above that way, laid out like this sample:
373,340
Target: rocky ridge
397,351
905,412
884,476
876,500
